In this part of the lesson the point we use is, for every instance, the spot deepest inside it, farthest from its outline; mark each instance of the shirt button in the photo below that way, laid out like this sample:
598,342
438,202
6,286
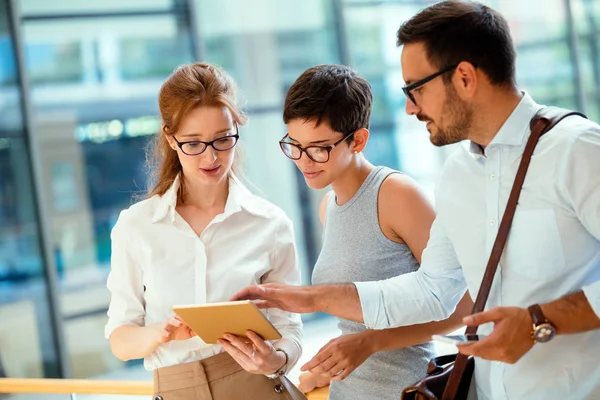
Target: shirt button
492,222
492,176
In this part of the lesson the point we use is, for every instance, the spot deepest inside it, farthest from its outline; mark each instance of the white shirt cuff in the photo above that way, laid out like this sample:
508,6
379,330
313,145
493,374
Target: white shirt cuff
592,292
372,303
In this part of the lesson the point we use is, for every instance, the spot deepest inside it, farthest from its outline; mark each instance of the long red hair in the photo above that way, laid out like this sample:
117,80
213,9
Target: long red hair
188,87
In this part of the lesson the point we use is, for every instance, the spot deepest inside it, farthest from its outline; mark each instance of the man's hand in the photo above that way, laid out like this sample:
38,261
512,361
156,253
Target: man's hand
339,300
342,355
509,341
298,299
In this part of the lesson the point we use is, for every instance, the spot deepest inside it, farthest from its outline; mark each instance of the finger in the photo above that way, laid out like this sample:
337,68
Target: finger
262,304
240,344
238,341
169,329
335,369
238,355
344,374
255,292
244,294
165,334
307,382
241,362
325,366
181,322
306,386
174,322
321,356
191,332
492,315
258,342
478,348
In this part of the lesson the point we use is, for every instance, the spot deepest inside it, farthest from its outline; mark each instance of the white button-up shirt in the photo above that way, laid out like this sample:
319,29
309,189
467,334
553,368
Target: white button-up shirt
158,261
553,250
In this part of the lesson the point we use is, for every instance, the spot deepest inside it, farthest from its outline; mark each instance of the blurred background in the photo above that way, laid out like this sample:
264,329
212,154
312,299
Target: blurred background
78,87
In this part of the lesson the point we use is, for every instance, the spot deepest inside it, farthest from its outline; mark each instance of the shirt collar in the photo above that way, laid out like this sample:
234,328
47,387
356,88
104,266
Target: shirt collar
515,129
239,198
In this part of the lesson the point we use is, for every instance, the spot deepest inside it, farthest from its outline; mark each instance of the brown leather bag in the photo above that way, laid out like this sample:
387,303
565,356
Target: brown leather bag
449,377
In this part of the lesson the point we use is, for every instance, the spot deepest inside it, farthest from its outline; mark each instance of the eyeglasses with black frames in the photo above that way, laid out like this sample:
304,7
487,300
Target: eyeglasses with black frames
318,154
408,90
197,147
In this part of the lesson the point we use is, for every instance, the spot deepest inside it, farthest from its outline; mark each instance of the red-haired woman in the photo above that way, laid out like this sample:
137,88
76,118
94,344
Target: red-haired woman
198,238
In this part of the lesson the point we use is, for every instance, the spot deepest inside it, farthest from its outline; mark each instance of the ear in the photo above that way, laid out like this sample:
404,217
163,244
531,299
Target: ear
361,137
172,143
465,80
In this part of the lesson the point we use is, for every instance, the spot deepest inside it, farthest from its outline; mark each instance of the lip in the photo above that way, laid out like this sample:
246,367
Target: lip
428,125
311,175
211,171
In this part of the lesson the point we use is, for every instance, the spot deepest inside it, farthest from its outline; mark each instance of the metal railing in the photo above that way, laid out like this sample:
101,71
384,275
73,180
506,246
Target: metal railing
73,387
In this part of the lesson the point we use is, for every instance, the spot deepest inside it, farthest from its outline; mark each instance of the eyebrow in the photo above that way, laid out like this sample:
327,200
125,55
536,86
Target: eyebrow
188,135
317,142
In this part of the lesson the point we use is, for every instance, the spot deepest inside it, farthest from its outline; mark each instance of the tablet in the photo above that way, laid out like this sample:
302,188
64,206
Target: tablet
211,321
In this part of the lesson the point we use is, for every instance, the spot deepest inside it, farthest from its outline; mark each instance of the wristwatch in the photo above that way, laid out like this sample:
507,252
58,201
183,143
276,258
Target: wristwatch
283,369
543,330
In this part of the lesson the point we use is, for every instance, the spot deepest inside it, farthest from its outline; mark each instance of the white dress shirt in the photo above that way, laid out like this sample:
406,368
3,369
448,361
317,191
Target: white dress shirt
553,250
158,261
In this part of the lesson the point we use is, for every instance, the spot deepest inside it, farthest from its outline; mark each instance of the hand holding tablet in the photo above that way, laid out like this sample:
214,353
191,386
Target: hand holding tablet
212,321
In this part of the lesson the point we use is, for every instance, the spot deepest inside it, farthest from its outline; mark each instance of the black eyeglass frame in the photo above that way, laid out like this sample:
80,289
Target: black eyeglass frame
328,148
408,89
211,143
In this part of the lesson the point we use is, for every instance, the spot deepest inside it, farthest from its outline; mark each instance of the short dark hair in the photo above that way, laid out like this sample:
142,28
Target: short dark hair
332,93
454,31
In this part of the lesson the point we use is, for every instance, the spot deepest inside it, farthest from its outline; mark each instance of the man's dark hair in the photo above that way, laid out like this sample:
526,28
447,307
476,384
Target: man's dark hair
454,31
335,94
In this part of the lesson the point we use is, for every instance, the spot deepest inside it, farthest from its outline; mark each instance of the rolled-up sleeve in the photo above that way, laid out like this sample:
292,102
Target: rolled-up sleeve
592,293
124,281
581,186
429,294
285,269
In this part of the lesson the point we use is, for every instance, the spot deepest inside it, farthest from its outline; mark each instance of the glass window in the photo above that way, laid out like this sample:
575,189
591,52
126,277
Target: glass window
265,45
26,338
371,36
586,14
61,7
94,82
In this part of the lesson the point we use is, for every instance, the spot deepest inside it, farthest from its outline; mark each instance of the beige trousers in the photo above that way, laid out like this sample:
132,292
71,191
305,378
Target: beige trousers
219,378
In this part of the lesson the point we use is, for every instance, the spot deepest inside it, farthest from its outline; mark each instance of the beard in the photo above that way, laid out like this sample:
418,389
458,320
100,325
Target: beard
462,120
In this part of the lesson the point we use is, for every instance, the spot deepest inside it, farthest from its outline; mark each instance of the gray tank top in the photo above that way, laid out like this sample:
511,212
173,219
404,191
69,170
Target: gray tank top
355,249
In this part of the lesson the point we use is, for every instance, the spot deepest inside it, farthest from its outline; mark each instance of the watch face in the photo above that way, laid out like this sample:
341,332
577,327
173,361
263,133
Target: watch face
544,333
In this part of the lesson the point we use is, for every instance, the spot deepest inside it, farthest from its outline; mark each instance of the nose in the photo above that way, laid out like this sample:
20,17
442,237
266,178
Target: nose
304,161
210,153
411,108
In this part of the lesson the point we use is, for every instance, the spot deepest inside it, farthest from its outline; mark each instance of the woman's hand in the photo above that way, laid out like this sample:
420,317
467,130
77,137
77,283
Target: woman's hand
342,355
173,329
310,381
256,356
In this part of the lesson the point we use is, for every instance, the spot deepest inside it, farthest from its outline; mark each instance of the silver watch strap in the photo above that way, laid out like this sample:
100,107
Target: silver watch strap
283,369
